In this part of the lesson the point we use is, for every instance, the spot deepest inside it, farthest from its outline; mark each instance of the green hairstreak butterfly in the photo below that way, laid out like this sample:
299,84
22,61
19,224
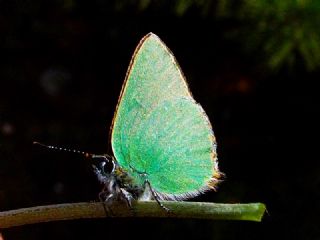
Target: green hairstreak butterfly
163,144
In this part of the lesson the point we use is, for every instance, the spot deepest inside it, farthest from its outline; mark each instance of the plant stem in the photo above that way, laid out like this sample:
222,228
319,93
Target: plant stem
69,211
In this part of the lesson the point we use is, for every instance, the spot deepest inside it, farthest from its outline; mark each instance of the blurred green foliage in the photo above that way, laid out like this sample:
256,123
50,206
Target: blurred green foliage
283,33
280,34
286,31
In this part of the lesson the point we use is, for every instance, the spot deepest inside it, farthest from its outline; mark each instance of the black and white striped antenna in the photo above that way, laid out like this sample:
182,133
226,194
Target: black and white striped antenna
86,154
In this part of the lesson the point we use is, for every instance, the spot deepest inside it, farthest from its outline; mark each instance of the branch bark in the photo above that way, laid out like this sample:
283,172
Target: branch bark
69,211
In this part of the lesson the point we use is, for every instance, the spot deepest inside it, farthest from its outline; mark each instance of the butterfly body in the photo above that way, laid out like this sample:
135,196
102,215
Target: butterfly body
163,144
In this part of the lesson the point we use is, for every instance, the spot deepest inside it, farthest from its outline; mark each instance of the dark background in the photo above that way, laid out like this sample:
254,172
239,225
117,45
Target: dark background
253,66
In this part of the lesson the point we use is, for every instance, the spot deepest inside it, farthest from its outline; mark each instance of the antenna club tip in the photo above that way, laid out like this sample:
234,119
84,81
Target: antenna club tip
34,142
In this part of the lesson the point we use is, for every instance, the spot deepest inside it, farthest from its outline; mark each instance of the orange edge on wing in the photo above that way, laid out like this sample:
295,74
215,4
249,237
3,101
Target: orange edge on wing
217,176
124,85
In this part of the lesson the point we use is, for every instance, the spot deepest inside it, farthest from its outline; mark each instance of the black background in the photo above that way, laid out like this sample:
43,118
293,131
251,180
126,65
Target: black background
61,71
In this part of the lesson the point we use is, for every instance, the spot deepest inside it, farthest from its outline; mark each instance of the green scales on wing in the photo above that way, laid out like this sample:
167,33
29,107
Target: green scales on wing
159,132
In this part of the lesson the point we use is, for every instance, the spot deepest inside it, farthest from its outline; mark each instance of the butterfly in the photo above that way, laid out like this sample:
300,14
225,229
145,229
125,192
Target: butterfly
162,140
163,144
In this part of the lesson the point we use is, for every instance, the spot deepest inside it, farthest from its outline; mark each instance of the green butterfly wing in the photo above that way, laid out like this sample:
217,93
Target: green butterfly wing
159,129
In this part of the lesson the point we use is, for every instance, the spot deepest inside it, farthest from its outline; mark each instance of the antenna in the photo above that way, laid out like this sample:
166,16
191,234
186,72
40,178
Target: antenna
107,157
86,154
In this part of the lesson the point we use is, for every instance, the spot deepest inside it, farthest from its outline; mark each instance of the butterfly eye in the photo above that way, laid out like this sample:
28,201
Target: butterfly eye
105,165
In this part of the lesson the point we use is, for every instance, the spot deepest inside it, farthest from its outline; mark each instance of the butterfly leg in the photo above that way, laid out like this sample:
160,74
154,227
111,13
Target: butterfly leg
126,196
107,210
106,199
156,197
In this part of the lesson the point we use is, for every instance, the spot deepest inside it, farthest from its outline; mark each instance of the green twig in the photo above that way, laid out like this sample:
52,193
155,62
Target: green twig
68,211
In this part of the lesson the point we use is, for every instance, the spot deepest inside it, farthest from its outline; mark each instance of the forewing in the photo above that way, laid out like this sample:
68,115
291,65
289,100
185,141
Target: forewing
153,77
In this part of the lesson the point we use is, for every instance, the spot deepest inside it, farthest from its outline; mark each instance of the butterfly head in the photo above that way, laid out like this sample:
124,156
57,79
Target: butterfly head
104,163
